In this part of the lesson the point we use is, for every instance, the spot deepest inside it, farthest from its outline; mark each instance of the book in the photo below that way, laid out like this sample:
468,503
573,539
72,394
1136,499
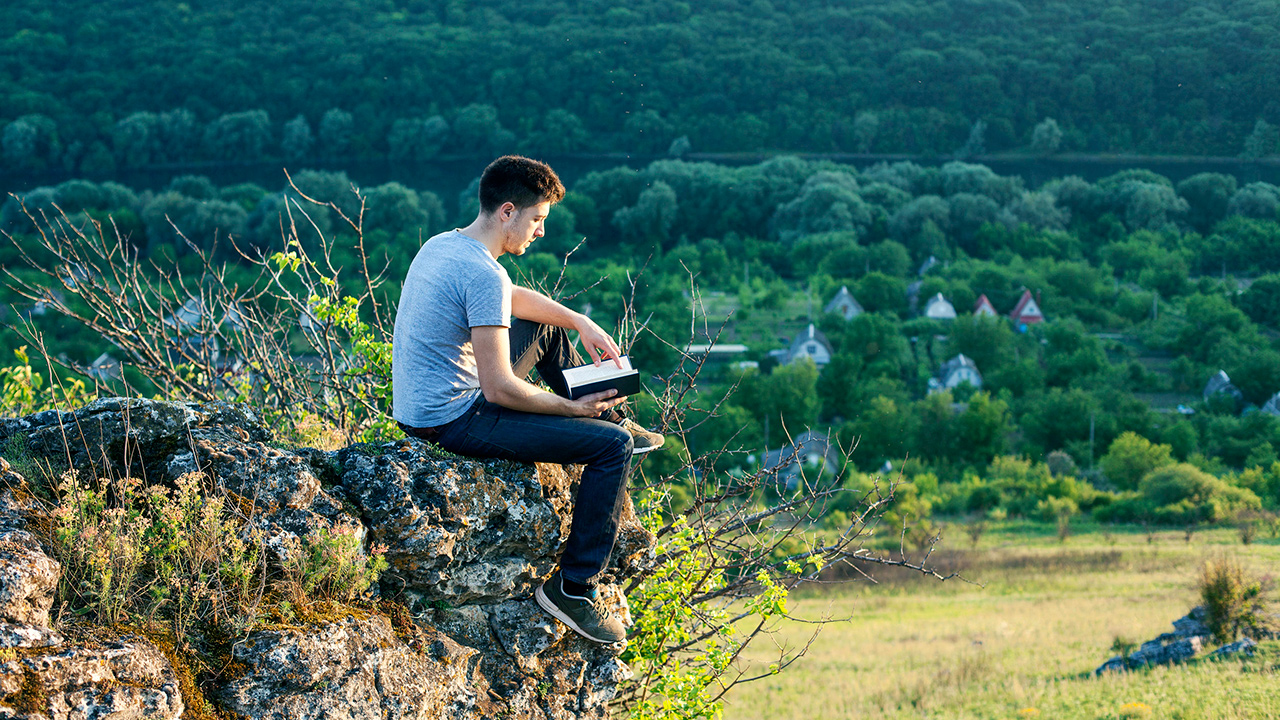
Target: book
588,379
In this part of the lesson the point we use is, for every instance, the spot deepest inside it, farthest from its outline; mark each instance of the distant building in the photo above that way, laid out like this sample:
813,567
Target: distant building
984,307
939,308
810,343
954,372
722,352
913,296
1219,384
104,368
1272,406
1027,311
187,316
927,265
844,304
810,454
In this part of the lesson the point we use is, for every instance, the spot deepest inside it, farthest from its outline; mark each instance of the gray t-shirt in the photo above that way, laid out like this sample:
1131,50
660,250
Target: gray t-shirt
453,285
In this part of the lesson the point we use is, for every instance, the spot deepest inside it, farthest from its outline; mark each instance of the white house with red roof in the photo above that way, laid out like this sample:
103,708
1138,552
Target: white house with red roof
984,307
1027,311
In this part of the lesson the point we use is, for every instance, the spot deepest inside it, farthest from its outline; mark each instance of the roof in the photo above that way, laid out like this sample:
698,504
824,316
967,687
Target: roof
984,307
939,308
805,337
844,300
1221,383
1027,310
1272,406
957,362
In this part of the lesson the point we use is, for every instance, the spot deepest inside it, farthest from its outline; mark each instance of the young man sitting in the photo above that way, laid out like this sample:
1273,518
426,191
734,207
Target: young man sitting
465,340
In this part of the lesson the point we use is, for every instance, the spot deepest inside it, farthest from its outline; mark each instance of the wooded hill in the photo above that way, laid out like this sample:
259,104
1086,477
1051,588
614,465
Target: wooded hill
93,86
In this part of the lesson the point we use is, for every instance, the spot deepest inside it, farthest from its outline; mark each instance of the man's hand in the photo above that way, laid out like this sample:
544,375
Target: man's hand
597,342
596,403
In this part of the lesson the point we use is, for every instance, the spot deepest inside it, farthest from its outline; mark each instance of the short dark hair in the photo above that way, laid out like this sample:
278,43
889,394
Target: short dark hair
521,181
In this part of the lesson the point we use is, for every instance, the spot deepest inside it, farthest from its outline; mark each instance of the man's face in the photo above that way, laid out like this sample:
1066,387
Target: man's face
523,227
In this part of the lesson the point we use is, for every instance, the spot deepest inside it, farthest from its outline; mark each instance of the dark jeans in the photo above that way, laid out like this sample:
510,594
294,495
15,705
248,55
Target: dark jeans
487,430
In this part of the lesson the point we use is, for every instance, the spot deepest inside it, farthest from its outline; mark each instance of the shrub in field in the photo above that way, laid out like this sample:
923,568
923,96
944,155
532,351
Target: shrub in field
1183,493
1234,600
1131,457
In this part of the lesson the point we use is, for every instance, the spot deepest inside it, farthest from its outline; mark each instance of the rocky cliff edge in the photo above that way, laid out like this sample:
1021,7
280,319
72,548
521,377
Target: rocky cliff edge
467,541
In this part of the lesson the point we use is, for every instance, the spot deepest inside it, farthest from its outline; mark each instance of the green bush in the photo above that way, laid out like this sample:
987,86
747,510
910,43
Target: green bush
1181,494
1234,600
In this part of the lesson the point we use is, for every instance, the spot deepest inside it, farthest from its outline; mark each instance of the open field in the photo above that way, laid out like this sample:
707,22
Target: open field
1025,644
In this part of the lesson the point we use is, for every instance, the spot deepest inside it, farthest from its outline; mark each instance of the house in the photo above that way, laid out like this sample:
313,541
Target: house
1272,406
1027,311
810,343
187,316
809,455
844,304
959,369
984,307
939,308
1220,383
104,368
927,265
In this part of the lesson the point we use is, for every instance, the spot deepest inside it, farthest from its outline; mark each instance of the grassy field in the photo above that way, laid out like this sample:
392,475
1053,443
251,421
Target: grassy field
1022,645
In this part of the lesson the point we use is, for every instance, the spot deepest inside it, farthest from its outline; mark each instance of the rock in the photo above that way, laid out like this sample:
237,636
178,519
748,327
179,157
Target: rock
355,668
1193,624
1158,652
28,580
1243,645
281,487
130,679
470,531
122,436
468,541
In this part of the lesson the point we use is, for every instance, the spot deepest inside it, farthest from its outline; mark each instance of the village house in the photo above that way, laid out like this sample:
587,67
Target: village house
954,372
939,308
844,304
1272,406
1220,384
809,455
984,307
810,343
1027,311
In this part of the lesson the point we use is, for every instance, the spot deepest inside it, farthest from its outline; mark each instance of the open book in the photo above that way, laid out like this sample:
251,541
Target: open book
588,379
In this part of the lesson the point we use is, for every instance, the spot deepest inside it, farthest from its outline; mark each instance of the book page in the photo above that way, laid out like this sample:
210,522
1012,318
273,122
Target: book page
584,374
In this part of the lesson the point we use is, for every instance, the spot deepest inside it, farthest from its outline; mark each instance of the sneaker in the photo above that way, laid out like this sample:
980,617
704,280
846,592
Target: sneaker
642,440
584,615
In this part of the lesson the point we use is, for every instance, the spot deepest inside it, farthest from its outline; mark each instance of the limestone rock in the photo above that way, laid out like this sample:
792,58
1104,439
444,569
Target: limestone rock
347,670
122,436
1244,646
127,679
466,530
28,580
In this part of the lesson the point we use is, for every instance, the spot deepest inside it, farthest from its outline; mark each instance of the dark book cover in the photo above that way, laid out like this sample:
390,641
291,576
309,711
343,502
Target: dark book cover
627,384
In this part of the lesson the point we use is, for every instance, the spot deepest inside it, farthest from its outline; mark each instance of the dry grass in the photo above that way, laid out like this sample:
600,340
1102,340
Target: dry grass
1030,638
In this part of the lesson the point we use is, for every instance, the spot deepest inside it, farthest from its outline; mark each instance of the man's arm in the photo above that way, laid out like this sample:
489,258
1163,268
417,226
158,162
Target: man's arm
492,347
528,304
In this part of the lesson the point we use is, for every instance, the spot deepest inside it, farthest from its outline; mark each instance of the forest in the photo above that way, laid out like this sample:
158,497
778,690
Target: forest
1148,289
95,87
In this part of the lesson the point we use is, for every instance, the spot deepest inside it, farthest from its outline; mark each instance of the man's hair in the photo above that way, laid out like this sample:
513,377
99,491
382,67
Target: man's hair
521,181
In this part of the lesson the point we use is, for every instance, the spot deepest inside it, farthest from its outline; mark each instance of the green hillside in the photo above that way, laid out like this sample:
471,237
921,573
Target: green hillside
92,86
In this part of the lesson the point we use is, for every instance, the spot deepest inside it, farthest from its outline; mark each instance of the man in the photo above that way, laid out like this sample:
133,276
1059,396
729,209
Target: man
458,366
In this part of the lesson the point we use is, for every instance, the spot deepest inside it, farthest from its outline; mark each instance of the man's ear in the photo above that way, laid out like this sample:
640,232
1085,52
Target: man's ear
507,211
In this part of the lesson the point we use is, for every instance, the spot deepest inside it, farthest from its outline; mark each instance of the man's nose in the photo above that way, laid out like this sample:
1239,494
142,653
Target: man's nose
539,232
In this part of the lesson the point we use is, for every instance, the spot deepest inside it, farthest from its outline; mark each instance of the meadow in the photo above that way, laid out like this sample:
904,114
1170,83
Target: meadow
1024,642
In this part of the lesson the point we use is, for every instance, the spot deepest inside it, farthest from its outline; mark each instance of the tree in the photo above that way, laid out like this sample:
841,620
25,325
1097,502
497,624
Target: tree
31,142
1261,142
137,140
1046,137
977,142
336,129
476,129
240,136
1261,302
866,126
1131,457
417,139
1256,200
651,218
1207,196
828,202
296,141
562,132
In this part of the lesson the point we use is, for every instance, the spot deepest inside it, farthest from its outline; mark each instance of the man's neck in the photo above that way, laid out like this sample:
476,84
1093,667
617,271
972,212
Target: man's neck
486,231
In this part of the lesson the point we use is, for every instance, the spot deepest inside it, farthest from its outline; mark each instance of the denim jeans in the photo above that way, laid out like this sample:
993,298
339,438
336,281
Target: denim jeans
487,430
